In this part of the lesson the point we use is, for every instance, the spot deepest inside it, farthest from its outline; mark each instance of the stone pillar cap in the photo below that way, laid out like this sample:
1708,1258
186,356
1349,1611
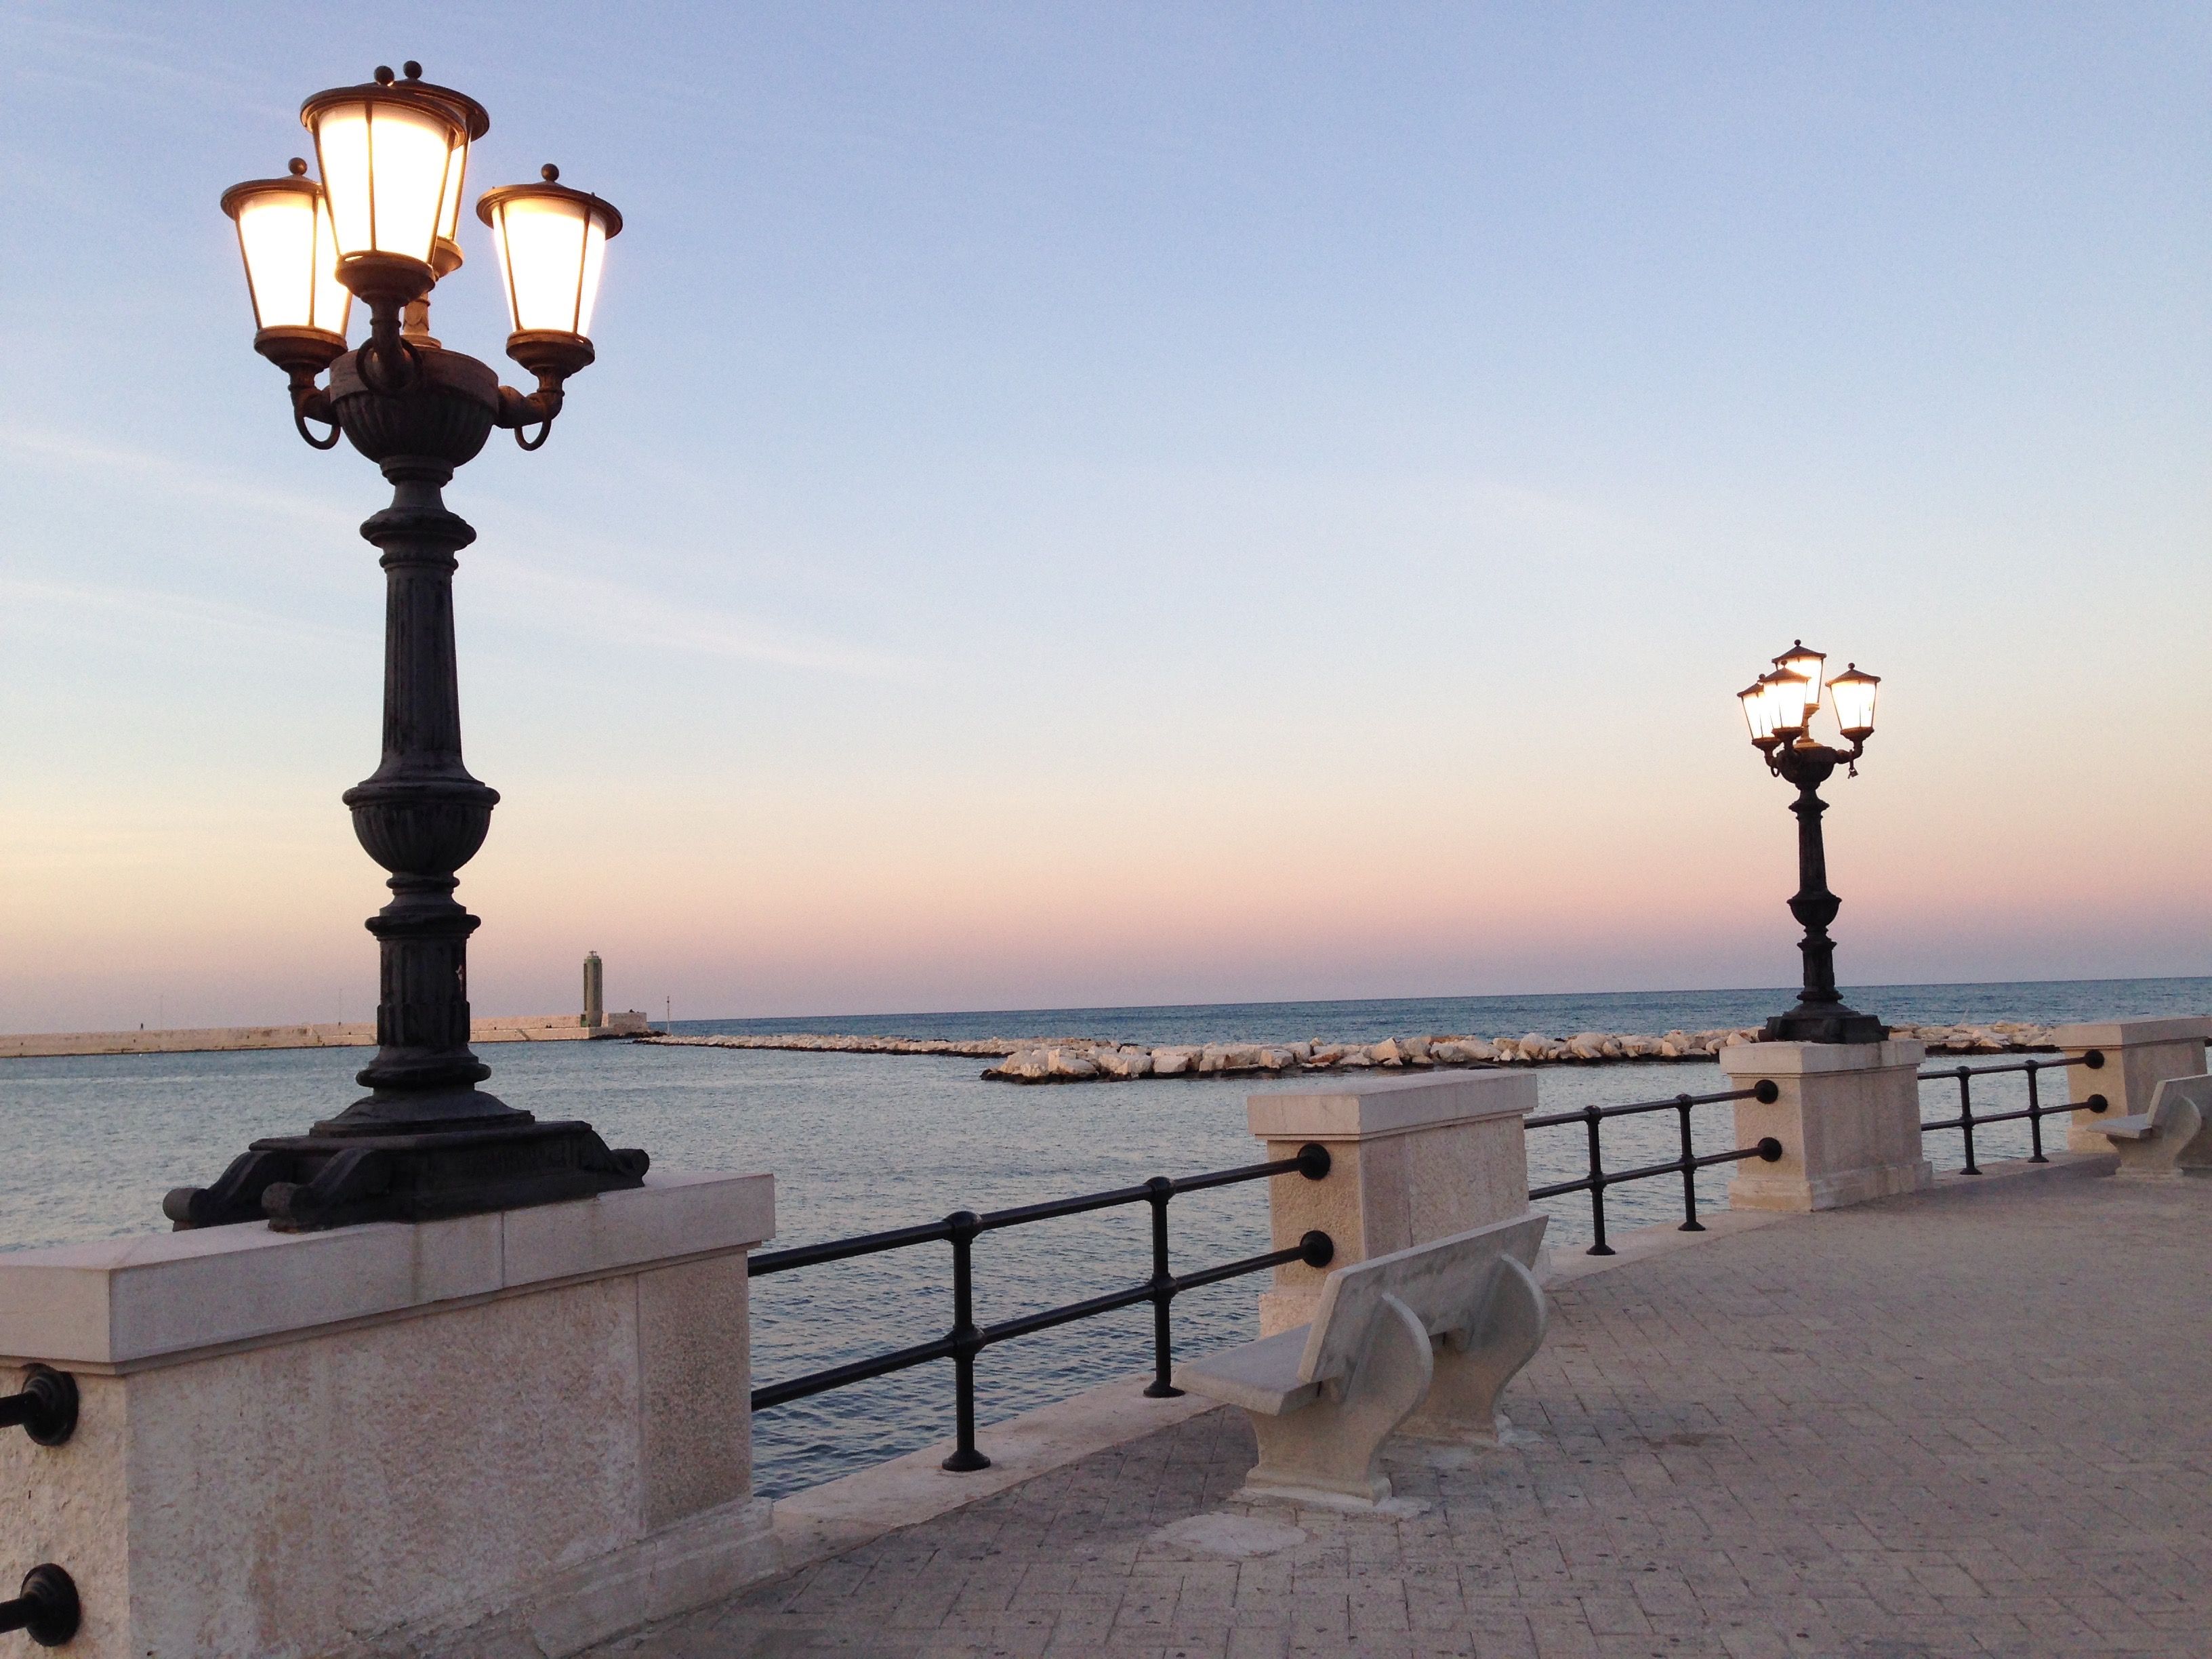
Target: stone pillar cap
1343,1110
1803,1059
157,1297
2121,1033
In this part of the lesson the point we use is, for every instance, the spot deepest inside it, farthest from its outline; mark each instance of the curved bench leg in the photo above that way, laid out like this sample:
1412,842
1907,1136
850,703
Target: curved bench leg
1472,1367
1330,1451
2157,1156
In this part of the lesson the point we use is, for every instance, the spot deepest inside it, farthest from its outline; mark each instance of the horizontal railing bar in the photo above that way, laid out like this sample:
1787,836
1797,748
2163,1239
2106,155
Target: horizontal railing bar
992,1220
1703,1161
859,1370
1112,1302
1980,1118
1199,1184
899,1359
2090,1057
839,1249
1251,1264
1672,1102
928,1232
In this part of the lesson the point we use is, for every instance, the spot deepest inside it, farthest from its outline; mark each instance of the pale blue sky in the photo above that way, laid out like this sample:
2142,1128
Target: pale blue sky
1119,503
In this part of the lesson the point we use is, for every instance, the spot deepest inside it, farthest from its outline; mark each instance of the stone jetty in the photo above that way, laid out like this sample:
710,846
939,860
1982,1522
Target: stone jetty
355,1033
1087,1060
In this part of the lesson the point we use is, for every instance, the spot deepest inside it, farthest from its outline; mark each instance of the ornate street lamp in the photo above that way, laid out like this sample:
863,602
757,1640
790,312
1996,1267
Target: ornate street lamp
378,227
1779,707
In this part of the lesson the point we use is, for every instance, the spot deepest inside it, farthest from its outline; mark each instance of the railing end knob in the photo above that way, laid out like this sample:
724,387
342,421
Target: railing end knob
1766,1091
55,1610
48,1405
1316,1248
2094,1059
2097,1104
1314,1160
1769,1149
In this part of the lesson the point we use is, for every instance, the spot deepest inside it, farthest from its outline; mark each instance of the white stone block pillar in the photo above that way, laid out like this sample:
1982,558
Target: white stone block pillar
1848,1117
2139,1055
534,1425
1410,1159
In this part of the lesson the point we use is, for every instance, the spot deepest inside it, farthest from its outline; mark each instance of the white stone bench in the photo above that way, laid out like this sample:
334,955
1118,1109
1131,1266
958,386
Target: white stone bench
1422,1341
2156,1144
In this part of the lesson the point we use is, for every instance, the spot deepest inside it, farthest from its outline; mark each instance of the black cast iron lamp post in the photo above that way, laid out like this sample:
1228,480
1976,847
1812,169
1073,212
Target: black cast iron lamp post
1779,709
379,226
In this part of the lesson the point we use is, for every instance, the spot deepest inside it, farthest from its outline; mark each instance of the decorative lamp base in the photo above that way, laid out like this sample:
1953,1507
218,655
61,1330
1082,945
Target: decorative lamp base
1833,1023
304,1183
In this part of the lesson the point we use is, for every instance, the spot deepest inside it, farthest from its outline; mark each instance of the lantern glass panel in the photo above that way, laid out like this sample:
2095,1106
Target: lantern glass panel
291,260
1790,697
449,204
1758,713
385,166
550,251
1852,694
1798,660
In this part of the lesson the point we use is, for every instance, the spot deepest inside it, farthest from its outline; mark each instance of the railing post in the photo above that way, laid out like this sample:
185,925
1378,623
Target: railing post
1966,1118
1848,1117
1591,1120
1411,1159
1690,1222
1158,1191
966,1340
2034,1116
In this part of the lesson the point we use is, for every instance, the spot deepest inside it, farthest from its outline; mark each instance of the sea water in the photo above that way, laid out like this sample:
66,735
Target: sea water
860,1142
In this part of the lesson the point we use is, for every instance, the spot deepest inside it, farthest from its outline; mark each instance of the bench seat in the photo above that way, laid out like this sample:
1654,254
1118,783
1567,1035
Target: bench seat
1261,1376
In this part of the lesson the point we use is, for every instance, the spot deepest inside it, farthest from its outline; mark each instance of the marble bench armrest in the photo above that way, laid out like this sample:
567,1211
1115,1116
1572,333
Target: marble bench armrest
2137,1128
1262,1376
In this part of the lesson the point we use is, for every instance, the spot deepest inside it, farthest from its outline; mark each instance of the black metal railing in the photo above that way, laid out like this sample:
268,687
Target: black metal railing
2035,1111
1687,1165
966,1338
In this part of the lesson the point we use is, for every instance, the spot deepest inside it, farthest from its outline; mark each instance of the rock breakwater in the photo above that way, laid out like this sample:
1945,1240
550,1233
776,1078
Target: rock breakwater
1086,1060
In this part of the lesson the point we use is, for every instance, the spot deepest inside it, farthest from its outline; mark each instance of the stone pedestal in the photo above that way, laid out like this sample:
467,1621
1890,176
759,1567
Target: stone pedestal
532,1424
1412,1159
1848,1117
2139,1055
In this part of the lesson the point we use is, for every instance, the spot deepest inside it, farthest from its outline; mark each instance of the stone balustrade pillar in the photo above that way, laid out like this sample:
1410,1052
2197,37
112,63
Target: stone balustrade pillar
2139,1055
533,1426
1848,1117
1411,1159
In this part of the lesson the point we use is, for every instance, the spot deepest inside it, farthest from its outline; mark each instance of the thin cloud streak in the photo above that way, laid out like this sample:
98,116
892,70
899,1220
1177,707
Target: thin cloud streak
609,610
169,608
586,606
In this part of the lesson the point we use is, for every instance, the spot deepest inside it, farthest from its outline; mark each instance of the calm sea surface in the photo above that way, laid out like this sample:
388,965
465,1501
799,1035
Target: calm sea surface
858,1142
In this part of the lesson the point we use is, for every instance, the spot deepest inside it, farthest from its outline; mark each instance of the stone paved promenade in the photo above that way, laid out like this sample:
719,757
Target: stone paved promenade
1961,1423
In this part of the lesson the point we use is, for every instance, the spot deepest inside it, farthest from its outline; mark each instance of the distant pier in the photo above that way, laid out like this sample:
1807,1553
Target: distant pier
362,1034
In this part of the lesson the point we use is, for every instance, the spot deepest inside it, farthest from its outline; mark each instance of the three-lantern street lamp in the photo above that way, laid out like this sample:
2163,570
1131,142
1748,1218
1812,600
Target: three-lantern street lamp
380,224
1779,708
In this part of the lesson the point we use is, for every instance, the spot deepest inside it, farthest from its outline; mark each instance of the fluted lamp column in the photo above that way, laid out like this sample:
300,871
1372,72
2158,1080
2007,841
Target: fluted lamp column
378,226
1778,706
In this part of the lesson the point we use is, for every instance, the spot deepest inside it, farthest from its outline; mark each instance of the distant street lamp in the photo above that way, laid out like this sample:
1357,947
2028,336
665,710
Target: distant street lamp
379,226
1779,707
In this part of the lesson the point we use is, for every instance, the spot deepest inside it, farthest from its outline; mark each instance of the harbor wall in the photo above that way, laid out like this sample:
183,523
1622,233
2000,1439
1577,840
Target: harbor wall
361,1034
